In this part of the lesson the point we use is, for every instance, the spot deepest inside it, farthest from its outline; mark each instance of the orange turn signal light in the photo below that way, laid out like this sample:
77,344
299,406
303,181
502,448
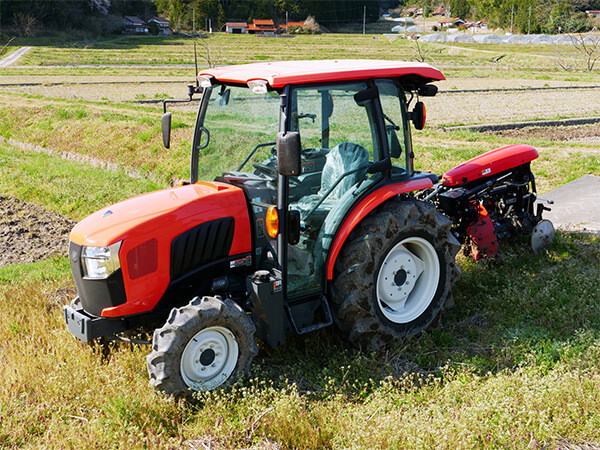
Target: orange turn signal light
272,221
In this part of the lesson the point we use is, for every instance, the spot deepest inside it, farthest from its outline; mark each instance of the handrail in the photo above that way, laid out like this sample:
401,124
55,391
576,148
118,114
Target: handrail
338,181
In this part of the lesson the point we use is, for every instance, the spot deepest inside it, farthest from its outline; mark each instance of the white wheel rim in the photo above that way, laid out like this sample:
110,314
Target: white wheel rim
408,280
209,358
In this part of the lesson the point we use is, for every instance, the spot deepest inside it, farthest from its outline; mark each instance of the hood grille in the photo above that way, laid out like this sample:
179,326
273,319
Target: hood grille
202,244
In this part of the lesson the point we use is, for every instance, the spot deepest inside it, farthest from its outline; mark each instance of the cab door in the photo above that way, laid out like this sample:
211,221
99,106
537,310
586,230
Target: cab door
342,138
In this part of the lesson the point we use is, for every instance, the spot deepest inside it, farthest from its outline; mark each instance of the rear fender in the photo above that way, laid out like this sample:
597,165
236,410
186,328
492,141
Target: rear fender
364,207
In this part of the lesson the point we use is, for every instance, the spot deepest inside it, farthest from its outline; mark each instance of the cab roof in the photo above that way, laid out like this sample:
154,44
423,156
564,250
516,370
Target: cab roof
281,73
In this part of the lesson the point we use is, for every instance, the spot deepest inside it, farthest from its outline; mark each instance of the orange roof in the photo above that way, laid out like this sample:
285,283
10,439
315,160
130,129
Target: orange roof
253,27
280,73
292,24
237,24
263,22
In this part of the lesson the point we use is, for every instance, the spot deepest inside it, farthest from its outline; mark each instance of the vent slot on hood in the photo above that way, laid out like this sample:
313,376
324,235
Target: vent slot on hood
202,244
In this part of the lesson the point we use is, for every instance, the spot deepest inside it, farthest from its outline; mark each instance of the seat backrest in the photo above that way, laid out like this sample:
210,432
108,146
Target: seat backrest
343,158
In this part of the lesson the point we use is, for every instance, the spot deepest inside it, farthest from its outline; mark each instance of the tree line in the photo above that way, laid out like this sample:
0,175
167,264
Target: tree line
528,16
27,17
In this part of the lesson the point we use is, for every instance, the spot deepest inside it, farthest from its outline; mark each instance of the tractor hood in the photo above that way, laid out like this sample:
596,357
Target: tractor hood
175,208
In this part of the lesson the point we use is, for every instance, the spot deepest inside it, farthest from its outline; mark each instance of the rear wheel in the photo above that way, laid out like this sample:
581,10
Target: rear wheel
204,345
394,274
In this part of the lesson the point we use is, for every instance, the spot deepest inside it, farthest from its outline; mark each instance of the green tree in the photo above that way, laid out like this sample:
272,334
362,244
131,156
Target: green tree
525,17
558,13
460,8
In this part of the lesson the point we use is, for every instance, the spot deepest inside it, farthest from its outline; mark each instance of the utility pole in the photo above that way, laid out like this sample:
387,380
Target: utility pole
194,21
364,18
529,21
512,16
287,31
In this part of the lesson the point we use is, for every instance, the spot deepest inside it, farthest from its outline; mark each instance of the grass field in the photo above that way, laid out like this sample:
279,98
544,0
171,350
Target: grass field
515,364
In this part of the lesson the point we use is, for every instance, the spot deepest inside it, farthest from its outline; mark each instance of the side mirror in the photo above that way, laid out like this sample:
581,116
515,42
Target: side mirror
166,129
418,116
429,90
288,153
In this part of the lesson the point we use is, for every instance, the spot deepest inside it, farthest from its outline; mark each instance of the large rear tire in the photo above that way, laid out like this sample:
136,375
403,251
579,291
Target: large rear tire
394,274
202,346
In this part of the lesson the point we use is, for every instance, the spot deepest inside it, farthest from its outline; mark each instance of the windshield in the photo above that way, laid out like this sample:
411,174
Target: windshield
238,121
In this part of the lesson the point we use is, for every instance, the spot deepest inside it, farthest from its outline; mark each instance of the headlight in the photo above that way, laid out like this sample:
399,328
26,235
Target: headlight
100,262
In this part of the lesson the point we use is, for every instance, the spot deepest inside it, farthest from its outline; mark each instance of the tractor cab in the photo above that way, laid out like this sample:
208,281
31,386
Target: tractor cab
344,129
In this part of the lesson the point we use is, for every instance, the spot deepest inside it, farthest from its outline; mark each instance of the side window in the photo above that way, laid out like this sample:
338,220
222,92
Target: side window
328,116
392,103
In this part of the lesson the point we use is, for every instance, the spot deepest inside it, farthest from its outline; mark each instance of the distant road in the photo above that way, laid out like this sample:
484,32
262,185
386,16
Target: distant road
14,56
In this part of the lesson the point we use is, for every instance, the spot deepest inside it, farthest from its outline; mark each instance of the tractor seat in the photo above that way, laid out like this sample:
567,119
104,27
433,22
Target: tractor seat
346,164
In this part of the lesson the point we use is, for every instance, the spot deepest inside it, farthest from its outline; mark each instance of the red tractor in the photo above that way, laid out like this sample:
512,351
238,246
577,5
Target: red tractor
324,221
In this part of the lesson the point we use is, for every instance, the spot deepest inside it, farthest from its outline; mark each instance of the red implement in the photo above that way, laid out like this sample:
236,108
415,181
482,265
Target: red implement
489,164
482,237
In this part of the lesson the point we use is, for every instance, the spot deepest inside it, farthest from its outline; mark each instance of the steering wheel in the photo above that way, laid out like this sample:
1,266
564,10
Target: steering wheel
271,173
267,171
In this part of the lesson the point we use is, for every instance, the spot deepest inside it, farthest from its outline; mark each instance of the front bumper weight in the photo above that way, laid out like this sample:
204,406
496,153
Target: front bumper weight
87,328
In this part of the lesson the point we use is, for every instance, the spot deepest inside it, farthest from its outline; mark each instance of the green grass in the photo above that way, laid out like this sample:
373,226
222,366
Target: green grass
229,49
515,364
129,136
39,272
516,360
67,187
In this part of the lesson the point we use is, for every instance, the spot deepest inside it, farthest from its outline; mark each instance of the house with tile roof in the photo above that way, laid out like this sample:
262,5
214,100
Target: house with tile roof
236,28
284,27
134,24
262,26
163,24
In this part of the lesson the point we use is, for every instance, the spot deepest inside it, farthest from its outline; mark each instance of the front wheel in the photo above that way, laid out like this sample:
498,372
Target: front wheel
203,345
394,274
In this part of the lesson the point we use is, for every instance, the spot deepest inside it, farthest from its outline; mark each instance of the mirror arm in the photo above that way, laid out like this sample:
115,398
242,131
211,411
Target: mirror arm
191,91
